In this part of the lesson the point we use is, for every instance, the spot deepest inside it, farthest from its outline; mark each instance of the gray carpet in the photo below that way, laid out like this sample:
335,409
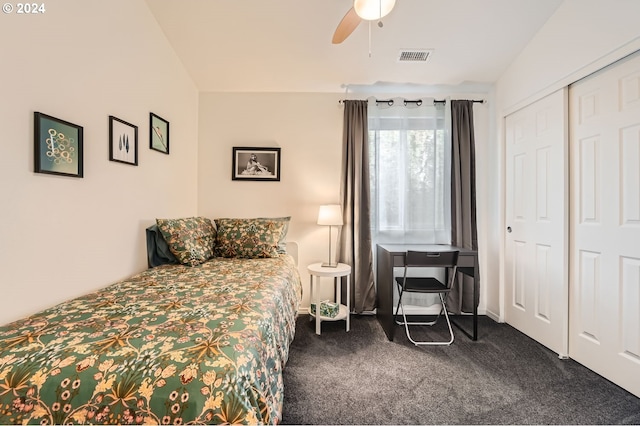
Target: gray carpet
504,378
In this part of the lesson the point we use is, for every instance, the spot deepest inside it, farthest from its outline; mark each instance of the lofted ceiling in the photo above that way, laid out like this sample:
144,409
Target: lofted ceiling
285,45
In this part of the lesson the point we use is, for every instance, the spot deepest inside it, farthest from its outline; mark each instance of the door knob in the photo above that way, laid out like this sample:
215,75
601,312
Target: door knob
508,229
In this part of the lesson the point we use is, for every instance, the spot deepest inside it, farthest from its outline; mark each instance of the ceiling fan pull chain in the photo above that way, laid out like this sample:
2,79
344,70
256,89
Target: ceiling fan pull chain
369,38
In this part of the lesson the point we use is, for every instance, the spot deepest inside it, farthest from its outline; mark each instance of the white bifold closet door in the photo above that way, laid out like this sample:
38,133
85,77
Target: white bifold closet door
536,241
605,223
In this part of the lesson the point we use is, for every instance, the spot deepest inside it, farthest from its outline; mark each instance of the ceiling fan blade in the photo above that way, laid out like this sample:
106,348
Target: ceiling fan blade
349,23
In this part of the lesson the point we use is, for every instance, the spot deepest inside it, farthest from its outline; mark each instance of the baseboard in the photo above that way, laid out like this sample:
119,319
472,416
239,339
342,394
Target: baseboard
409,310
422,310
493,316
416,310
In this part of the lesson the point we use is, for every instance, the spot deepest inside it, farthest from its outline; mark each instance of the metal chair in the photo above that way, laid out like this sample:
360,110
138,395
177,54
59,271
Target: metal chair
430,259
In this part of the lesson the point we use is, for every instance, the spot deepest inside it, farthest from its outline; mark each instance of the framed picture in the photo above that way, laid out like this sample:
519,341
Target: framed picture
123,141
256,163
159,133
58,146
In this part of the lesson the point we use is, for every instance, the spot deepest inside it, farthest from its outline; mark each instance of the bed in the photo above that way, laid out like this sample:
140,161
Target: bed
198,342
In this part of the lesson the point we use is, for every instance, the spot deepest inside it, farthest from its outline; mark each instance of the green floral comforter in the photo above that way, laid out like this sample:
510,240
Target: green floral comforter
171,345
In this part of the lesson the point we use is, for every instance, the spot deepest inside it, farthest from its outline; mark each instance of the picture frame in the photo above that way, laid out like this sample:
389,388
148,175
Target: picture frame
158,133
57,146
256,164
123,141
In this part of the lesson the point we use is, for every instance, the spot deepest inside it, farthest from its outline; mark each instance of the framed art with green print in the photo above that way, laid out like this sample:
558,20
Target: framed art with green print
57,146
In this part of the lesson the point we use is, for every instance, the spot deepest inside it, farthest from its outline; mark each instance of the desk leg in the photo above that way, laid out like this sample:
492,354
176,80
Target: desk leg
476,298
384,278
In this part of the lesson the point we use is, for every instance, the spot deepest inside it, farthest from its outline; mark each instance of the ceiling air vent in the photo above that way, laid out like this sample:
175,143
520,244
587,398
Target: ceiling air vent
414,55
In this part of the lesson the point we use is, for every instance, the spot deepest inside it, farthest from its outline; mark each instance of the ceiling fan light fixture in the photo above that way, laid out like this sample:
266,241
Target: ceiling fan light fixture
372,10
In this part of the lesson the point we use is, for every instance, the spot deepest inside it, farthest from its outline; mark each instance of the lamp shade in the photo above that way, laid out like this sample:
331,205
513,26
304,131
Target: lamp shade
371,10
330,214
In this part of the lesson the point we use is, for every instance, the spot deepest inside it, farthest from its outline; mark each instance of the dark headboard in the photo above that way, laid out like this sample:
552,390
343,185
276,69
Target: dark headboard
158,252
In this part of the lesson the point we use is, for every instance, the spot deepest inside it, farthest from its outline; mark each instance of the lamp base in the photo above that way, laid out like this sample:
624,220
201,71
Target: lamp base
329,265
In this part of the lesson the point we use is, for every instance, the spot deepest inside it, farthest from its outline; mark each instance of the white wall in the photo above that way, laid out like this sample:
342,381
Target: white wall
580,38
308,129
81,61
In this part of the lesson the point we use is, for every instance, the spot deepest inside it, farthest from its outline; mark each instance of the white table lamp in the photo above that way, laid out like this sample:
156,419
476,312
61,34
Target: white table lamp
330,215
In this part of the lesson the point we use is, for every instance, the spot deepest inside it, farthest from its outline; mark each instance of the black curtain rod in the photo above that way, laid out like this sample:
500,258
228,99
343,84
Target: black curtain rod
475,101
417,102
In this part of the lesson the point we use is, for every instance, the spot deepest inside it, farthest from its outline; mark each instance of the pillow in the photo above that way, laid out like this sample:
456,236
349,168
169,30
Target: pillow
282,241
248,238
191,240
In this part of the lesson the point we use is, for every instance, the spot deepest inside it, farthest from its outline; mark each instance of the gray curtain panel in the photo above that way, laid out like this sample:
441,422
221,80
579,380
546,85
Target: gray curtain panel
464,232
354,246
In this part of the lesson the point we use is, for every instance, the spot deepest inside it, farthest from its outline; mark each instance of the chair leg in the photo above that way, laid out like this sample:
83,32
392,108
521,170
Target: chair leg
446,315
422,343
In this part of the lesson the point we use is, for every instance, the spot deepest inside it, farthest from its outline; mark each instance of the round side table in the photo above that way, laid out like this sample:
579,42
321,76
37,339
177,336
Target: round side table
341,270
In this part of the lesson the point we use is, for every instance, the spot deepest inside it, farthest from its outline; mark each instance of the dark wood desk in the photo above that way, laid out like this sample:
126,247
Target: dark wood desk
392,255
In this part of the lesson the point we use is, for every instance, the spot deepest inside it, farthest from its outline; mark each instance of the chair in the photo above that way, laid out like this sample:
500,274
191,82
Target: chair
422,259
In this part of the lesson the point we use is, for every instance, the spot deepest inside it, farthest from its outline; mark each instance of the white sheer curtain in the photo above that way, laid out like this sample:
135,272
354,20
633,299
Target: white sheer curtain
410,175
410,171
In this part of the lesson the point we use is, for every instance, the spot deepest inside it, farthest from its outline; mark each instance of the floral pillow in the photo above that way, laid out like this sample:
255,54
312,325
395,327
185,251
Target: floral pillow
282,241
248,238
191,240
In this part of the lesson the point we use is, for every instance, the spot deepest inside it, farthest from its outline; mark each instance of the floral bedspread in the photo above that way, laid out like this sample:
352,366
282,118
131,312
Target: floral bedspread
171,345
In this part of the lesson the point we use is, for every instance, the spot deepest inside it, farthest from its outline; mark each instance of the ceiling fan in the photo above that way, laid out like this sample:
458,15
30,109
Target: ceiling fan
367,10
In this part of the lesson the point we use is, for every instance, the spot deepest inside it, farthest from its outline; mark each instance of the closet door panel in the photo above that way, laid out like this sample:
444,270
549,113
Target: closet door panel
536,271
605,223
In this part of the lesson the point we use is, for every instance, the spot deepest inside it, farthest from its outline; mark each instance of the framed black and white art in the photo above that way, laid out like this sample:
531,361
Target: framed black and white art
256,164
123,141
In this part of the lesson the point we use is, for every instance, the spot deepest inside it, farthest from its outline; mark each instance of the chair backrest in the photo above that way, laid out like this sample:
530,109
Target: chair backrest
438,259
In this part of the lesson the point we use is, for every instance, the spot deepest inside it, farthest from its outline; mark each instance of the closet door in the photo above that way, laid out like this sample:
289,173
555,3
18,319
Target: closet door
536,270
605,223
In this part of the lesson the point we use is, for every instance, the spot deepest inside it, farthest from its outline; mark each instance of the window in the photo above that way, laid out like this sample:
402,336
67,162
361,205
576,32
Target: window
410,163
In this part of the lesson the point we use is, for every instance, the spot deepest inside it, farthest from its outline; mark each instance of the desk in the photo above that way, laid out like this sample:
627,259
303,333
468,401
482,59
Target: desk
392,255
